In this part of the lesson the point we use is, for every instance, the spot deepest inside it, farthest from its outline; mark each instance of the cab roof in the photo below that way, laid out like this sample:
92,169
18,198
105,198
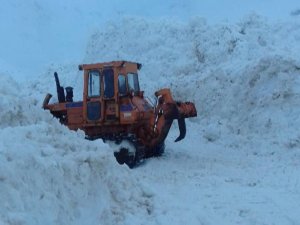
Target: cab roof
102,65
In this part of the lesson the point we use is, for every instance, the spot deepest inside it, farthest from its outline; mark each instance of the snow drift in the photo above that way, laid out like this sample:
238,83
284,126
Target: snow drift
49,175
237,165
243,77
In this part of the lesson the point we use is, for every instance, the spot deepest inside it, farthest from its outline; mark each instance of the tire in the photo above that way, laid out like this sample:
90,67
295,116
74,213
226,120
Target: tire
127,157
131,161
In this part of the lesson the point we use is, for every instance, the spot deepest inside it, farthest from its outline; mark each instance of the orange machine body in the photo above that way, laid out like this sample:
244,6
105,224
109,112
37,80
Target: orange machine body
114,108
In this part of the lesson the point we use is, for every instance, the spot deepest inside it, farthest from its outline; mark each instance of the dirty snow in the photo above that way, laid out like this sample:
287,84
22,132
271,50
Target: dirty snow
239,163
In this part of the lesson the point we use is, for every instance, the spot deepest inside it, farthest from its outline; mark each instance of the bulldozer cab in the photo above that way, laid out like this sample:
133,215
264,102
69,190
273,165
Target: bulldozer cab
105,84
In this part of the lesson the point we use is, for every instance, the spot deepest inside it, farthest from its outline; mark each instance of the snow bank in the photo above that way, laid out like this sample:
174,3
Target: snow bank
243,77
244,80
15,109
50,175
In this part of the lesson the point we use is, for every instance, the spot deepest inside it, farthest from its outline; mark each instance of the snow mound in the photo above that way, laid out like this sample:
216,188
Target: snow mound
243,77
50,175
14,110
244,80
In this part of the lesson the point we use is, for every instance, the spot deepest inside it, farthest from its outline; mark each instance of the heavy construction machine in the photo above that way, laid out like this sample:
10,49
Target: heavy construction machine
115,109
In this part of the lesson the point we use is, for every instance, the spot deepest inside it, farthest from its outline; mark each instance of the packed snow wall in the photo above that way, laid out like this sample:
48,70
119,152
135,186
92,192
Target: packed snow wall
243,77
51,175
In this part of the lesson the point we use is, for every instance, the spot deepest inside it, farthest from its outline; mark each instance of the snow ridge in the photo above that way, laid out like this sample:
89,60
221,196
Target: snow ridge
239,75
238,164
50,175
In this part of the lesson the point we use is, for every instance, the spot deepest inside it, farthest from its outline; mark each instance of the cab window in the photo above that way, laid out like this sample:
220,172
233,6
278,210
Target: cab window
122,85
94,86
109,90
133,82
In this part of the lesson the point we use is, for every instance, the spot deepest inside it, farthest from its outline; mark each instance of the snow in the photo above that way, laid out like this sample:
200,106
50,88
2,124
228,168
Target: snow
50,175
38,33
240,160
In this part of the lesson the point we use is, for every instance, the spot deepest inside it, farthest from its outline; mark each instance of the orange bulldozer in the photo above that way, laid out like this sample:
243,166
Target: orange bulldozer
115,109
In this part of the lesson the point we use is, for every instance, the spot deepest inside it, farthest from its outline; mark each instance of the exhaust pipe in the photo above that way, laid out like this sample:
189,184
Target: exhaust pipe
60,90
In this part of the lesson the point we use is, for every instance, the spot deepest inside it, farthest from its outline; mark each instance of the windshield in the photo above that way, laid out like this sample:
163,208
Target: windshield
94,84
109,90
122,85
133,82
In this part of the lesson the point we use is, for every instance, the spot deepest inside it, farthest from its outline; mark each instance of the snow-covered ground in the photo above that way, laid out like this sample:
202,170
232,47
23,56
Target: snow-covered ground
240,161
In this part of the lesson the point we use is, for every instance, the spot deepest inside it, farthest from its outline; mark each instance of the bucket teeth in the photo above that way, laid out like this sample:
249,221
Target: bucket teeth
182,129
185,110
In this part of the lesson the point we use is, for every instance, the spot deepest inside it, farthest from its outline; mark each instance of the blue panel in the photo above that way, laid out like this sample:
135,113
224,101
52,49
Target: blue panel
126,108
93,110
74,105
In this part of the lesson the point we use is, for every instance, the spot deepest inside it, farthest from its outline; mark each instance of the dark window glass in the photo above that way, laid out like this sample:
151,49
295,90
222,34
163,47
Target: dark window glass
94,84
109,90
122,85
133,82
93,110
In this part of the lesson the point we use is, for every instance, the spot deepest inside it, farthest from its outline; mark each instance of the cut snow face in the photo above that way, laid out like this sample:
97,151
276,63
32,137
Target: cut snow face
50,175
13,110
243,77
238,164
